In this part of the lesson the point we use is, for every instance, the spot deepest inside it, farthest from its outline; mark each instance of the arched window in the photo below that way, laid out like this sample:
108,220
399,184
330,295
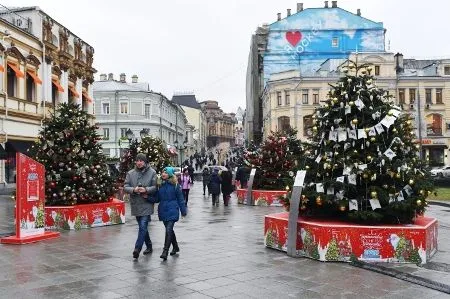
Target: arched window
284,123
307,125
434,125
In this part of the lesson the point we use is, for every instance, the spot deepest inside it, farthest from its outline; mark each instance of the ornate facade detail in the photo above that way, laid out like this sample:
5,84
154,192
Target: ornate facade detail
33,60
14,52
89,56
63,40
72,75
78,48
56,70
47,25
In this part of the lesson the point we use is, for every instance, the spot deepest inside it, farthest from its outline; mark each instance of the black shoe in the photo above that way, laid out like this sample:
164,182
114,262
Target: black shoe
148,250
164,254
174,251
135,253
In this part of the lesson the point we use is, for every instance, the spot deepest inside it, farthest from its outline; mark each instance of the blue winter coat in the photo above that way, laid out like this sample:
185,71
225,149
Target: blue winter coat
214,184
171,202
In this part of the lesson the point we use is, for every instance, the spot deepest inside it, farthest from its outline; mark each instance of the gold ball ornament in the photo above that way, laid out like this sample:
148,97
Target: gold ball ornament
319,201
365,175
421,192
315,128
351,103
390,112
369,157
373,194
372,139
409,122
429,193
342,208
398,175
335,100
385,186
394,130
367,130
355,121
287,188
419,202
411,182
306,167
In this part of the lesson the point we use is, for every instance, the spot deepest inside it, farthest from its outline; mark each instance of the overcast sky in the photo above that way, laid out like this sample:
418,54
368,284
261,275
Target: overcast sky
203,45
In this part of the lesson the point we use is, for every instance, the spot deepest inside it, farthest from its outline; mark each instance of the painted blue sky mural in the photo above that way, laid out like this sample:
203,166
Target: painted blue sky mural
305,40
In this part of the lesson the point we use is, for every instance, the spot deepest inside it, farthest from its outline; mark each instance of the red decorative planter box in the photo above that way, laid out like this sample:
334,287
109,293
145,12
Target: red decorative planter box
340,241
262,197
85,216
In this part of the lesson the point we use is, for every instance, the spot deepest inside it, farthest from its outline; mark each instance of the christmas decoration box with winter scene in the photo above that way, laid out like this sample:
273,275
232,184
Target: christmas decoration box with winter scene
262,197
85,216
340,241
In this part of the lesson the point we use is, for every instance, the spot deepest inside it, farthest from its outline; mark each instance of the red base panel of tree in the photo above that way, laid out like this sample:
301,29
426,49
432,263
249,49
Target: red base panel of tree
85,216
262,197
339,241
29,239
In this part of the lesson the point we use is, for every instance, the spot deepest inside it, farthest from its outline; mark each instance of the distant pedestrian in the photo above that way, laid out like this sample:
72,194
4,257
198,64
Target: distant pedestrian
186,183
227,186
214,186
206,175
140,183
171,203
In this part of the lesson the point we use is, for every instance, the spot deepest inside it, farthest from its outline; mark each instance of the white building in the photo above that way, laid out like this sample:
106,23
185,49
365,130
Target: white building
121,106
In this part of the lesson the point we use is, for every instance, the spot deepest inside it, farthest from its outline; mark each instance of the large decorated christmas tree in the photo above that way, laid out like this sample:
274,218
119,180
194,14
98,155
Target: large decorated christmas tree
153,147
276,161
75,168
363,161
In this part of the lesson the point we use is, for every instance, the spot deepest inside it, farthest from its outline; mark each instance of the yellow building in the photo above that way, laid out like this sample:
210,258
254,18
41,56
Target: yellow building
421,87
42,64
220,125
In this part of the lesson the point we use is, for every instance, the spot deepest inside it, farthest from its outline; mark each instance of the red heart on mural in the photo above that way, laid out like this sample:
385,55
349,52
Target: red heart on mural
293,37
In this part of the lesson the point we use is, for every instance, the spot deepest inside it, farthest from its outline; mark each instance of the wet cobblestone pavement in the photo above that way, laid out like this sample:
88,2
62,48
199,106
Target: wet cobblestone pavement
222,256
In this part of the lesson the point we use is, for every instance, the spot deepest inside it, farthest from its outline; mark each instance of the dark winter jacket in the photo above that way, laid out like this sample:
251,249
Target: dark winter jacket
171,202
146,177
214,183
206,175
242,174
227,186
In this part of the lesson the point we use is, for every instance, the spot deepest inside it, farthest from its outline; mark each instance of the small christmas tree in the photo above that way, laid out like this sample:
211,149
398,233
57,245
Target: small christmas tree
363,161
75,168
153,147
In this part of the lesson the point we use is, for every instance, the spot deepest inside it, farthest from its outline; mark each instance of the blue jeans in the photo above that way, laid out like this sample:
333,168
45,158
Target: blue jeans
143,235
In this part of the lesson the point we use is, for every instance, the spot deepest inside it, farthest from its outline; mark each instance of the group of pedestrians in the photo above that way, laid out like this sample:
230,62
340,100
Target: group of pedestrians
215,182
145,190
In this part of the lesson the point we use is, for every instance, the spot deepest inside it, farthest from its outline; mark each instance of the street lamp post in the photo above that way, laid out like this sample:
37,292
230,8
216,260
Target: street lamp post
180,148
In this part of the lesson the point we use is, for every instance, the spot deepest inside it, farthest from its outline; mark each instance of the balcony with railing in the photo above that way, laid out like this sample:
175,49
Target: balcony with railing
12,17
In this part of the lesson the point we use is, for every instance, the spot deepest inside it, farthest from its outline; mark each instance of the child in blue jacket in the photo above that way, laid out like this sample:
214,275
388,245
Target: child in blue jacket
171,203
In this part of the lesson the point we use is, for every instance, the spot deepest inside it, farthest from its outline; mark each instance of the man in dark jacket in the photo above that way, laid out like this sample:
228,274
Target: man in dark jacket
206,175
214,186
140,183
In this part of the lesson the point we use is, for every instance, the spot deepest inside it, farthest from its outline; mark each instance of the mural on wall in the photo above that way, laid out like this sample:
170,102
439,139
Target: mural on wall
307,40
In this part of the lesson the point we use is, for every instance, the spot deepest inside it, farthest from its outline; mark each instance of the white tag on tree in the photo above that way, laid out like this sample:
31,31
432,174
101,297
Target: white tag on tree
408,190
352,179
391,198
362,166
319,188
340,179
396,113
348,109
372,132
342,134
359,104
376,115
352,134
299,178
353,205
346,171
379,128
400,196
319,157
375,204
333,136
330,190
340,195
253,171
390,154
362,134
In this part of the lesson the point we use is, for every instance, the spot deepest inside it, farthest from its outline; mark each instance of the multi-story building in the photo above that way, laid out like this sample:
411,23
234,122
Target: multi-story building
220,125
42,64
420,86
122,107
196,119
239,128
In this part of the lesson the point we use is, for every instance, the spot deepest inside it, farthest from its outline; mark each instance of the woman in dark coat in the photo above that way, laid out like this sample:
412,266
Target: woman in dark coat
214,186
227,186
171,203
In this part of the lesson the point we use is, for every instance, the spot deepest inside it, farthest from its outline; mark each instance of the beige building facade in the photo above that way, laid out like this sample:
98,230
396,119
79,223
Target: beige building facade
421,87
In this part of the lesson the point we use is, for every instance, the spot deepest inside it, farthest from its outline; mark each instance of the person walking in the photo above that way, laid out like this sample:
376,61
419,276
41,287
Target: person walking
140,183
186,183
171,203
206,175
214,186
227,186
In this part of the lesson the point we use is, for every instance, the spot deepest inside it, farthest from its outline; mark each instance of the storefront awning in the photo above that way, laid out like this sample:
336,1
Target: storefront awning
19,73
58,85
74,91
36,79
20,146
2,69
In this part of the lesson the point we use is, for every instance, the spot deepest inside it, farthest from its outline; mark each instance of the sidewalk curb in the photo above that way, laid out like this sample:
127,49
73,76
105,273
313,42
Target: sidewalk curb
439,203
425,282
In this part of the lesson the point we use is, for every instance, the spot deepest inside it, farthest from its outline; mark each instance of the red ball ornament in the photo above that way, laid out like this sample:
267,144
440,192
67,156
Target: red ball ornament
52,184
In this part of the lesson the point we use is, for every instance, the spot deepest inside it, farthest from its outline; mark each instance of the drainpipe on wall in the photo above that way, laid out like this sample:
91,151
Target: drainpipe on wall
116,101
160,117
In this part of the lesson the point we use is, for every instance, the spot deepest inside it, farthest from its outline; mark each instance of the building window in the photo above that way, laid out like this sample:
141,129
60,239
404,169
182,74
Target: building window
31,88
123,132
107,152
315,96
412,96
434,125
447,70
11,81
284,123
428,95
105,134
287,98
335,42
147,110
304,96
279,98
307,125
438,95
105,108
124,108
401,96
377,70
